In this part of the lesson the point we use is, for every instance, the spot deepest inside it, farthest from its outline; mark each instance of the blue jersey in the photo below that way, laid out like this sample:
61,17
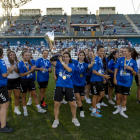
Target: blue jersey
64,77
89,72
111,66
125,77
79,75
43,75
3,69
56,69
98,66
23,68
34,74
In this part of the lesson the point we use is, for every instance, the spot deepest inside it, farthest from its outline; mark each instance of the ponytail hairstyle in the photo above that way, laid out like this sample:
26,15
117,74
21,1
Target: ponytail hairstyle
104,62
85,59
1,52
11,61
70,61
28,60
134,53
112,55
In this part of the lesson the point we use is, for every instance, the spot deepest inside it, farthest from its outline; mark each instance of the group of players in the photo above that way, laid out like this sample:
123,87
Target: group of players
75,79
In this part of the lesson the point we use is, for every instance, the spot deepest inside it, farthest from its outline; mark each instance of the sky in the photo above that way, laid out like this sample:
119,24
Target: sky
122,6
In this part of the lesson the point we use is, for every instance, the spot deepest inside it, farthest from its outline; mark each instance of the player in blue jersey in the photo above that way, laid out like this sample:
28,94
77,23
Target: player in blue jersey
64,86
79,78
56,72
26,70
111,68
13,82
125,69
34,76
97,77
4,98
88,76
43,67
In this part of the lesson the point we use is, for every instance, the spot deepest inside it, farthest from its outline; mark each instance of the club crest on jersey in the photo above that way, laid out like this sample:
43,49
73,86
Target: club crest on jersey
131,64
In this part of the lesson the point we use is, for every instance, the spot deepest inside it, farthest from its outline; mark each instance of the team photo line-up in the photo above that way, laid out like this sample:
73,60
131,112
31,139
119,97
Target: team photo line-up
75,80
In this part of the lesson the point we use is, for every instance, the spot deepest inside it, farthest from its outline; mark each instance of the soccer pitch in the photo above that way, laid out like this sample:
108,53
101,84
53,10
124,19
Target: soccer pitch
38,126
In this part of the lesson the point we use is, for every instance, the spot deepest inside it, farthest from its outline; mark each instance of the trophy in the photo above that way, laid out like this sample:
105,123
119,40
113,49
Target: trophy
49,37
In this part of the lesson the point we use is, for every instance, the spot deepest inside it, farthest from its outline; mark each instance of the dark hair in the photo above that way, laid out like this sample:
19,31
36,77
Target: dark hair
134,53
44,51
99,47
28,60
104,62
10,61
63,49
69,56
1,52
85,59
112,55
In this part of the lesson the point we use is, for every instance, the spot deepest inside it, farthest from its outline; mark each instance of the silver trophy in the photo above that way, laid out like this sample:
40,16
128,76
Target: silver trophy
49,37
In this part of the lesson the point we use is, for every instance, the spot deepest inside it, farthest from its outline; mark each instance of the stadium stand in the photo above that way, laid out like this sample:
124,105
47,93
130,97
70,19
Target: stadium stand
116,24
52,22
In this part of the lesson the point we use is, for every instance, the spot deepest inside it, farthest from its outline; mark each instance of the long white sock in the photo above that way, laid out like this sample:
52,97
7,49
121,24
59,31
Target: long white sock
38,106
93,110
30,98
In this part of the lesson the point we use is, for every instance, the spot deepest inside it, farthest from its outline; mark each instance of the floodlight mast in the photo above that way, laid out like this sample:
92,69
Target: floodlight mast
7,5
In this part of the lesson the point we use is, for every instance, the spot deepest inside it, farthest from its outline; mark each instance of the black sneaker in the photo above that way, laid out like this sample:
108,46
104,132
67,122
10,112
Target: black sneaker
10,99
6,129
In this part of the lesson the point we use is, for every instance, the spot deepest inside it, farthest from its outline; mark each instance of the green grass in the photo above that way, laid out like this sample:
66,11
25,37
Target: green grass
37,126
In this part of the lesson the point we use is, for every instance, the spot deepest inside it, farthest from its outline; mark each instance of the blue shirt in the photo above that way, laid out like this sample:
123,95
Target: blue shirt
98,66
56,69
111,66
23,69
34,74
64,82
3,69
125,79
79,75
89,72
43,75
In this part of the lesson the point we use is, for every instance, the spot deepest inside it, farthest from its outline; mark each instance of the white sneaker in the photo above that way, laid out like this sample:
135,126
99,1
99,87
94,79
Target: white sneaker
25,112
29,102
106,96
17,111
111,102
98,106
115,98
82,114
64,102
40,110
103,104
76,122
117,111
55,123
88,101
122,113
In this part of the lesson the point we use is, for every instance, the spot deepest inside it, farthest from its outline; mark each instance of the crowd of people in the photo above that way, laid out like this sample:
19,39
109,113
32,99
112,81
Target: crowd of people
75,79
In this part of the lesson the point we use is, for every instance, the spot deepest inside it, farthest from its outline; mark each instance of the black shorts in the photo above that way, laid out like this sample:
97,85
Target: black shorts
13,83
137,80
97,87
88,79
61,91
123,90
3,95
27,84
78,89
111,81
42,84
